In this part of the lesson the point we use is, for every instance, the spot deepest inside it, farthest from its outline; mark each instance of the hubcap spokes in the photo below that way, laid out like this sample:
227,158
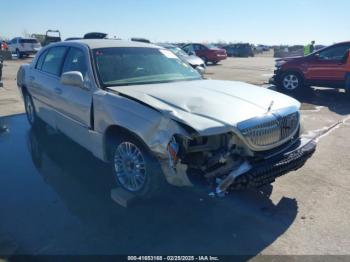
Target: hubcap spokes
291,82
129,166
30,110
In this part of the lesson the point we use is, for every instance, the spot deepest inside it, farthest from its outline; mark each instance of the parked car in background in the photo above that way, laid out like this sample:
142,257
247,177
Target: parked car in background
24,46
153,118
139,39
261,48
208,52
239,50
327,67
193,60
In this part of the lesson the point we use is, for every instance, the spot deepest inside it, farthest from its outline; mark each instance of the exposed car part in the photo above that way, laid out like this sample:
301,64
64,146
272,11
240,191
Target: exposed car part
265,172
230,178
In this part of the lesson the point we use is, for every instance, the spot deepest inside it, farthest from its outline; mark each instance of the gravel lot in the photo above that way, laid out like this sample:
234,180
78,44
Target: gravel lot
54,203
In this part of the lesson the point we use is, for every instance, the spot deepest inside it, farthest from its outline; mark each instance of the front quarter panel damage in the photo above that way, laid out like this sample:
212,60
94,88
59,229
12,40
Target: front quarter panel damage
148,124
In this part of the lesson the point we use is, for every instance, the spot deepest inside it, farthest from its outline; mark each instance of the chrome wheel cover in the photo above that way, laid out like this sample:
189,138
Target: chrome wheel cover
290,82
29,109
129,166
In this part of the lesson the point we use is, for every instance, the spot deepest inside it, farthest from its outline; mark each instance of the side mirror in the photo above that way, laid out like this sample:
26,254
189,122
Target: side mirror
200,70
72,78
191,53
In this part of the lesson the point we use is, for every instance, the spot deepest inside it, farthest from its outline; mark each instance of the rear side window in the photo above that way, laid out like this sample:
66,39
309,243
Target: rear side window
39,63
53,60
334,53
75,61
28,41
188,48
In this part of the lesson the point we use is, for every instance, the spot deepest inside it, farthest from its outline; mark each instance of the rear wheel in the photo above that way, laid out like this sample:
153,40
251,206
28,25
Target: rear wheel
134,168
19,54
30,109
215,62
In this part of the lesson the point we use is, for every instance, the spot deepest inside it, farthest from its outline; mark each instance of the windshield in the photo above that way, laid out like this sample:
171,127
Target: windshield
178,51
210,46
28,41
135,65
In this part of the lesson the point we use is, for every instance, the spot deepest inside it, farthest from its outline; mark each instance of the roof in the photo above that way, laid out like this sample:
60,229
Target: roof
166,45
105,43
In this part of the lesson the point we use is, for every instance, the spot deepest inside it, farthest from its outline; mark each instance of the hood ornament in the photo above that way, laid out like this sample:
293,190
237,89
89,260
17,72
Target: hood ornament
270,106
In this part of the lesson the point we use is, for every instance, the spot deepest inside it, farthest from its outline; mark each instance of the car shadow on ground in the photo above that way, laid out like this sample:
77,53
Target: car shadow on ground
334,99
84,220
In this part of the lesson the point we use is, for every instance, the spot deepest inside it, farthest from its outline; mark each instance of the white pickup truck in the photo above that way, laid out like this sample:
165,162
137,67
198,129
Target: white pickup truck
24,46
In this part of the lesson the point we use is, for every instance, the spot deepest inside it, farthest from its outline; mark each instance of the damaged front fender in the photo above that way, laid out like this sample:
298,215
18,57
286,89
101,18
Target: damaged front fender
151,126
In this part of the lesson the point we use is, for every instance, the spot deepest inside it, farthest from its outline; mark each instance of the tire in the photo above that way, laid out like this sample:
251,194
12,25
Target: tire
215,62
347,85
19,54
30,109
291,82
135,169
205,60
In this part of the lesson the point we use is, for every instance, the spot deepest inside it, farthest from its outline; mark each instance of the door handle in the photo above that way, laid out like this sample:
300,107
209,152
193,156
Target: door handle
58,90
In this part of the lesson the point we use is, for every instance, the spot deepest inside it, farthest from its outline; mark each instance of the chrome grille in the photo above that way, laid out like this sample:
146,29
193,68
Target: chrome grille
273,131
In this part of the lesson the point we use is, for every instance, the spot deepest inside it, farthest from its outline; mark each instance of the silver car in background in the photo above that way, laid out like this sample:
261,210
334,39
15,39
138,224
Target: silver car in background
193,60
151,116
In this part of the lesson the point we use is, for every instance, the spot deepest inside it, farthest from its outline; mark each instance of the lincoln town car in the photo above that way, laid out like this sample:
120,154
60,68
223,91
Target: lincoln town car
155,119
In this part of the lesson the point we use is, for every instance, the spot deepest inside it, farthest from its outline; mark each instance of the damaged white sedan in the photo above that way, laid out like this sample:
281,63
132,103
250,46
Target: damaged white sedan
153,117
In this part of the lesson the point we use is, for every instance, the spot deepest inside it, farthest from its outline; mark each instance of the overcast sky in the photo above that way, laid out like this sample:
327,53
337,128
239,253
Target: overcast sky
255,21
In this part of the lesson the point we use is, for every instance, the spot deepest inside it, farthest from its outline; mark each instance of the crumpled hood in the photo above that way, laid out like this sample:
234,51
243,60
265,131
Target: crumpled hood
208,106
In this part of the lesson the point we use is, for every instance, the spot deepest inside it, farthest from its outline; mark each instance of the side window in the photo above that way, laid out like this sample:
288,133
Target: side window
53,60
186,48
202,48
39,63
334,53
196,47
75,61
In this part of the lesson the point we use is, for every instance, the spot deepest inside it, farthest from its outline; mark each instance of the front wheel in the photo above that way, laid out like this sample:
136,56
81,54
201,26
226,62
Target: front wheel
291,83
347,85
135,169
205,60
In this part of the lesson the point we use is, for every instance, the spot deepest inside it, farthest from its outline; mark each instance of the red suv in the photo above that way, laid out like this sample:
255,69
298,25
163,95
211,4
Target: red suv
328,67
208,53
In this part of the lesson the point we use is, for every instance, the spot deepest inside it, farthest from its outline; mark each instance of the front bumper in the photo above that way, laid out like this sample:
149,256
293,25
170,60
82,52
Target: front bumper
29,52
275,79
267,170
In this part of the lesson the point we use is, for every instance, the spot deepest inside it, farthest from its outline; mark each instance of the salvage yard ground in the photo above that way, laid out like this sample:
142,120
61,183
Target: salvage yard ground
53,204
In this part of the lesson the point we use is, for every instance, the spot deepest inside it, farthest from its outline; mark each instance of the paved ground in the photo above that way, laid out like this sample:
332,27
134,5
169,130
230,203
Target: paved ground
57,203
